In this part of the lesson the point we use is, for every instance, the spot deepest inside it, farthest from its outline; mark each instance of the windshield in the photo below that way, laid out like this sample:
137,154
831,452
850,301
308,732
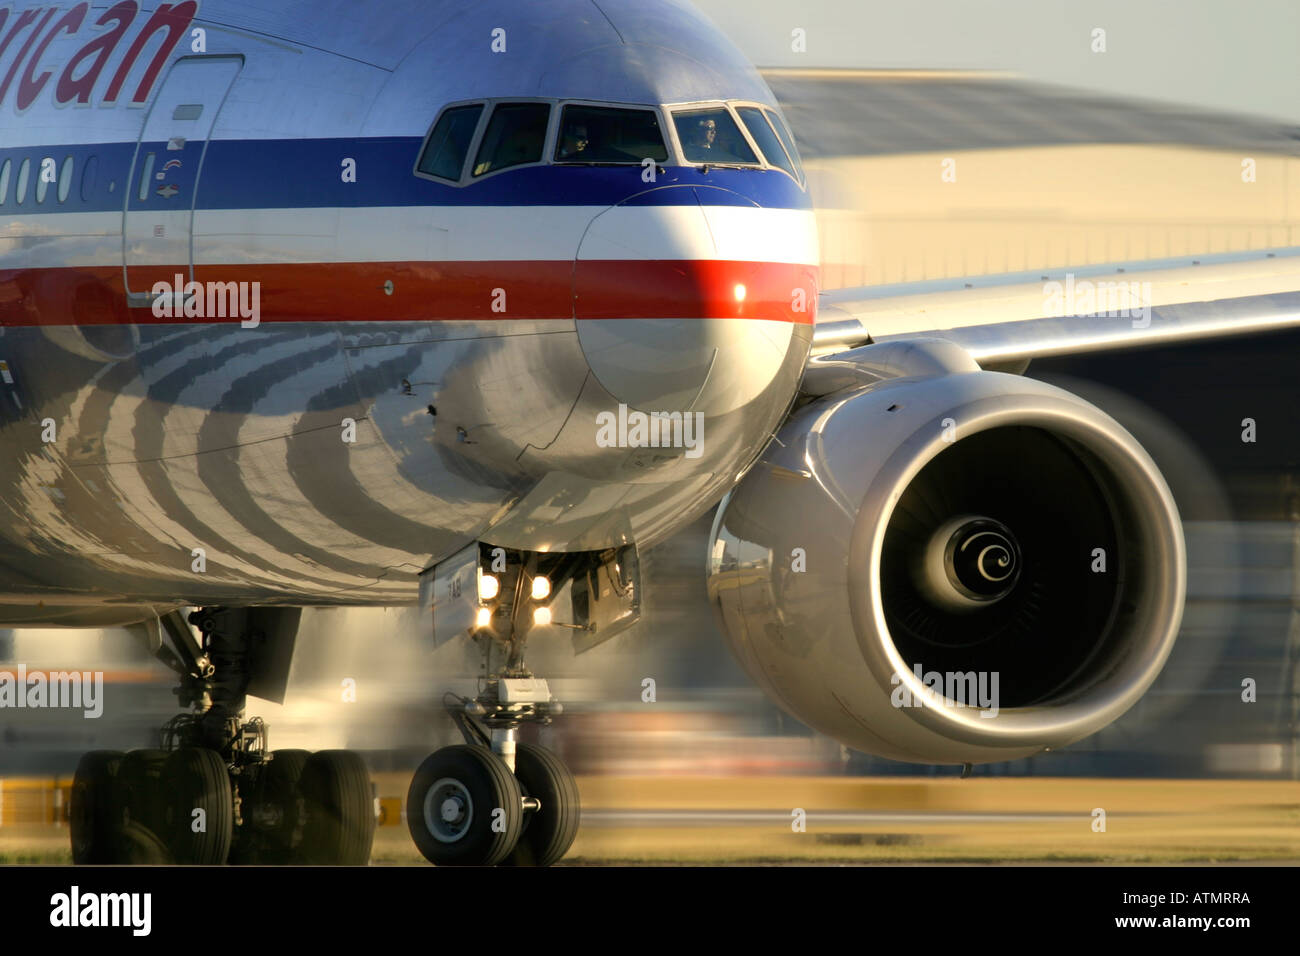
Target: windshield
787,140
516,134
767,140
712,136
507,134
444,155
600,134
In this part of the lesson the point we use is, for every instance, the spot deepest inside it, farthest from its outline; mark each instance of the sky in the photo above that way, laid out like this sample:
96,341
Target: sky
1240,56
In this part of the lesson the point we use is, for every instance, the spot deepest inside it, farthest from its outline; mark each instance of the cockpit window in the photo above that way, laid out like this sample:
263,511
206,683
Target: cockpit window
766,139
444,155
598,134
712,136
516,134
787,140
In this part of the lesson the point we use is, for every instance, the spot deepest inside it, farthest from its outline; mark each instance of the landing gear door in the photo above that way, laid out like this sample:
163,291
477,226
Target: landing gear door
449,592
605,597
164,179
593,595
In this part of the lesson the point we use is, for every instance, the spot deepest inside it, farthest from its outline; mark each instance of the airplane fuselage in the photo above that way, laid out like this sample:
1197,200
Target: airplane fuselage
260,348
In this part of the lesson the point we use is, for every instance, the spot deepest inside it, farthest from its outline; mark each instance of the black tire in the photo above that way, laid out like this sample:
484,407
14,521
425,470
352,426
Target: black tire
90,807
196,778
340,809
274,813
549,832
245,841
138,793
137,844
476,782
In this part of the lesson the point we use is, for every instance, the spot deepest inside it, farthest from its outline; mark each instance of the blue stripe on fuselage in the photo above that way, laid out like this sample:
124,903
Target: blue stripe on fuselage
306,173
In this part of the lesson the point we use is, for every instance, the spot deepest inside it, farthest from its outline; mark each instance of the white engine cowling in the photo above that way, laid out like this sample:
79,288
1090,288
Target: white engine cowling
968,538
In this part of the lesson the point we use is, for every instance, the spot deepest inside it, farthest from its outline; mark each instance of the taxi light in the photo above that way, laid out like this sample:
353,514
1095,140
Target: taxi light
740,292
484,617
541,588
542,616
488,586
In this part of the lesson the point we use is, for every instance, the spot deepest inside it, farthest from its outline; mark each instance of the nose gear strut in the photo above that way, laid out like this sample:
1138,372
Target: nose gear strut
513,802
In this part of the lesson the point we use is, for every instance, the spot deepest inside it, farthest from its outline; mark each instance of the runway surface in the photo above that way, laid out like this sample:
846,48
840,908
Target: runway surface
741,818
760,820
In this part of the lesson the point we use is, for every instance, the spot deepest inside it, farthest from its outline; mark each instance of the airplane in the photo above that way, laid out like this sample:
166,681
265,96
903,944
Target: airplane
466,306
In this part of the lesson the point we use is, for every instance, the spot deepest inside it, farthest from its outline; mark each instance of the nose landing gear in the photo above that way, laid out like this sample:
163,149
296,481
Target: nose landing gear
494,800
464,808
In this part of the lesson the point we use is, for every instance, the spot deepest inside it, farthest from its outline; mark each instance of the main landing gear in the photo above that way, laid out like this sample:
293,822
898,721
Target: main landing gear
215,793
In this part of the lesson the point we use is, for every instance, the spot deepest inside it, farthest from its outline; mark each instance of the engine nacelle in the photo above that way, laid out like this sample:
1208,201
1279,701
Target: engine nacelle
975,539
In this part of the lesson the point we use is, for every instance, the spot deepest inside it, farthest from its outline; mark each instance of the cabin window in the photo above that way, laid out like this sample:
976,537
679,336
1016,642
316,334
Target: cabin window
88,172
24,176
65,179
43,184
146,176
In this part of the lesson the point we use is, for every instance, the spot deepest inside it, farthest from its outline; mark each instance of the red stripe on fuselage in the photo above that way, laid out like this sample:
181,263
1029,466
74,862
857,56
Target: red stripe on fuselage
433,291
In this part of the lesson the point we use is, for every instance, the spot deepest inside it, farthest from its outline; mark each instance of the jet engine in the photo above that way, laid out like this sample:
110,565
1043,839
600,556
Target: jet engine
940,564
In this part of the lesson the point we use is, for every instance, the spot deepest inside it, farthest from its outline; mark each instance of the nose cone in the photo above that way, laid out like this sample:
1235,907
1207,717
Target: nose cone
687,297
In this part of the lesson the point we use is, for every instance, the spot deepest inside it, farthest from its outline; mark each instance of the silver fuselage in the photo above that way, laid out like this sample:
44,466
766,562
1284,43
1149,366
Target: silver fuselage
430,361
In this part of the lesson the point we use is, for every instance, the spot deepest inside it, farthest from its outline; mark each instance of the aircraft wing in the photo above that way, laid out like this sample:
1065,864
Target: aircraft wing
1020,220
1001,319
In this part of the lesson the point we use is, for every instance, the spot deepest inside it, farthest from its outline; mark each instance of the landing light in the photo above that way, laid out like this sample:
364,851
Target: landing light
488,586
541,588
740,292
542,616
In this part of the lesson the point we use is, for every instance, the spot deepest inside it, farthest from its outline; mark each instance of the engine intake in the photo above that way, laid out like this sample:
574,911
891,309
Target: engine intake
907,543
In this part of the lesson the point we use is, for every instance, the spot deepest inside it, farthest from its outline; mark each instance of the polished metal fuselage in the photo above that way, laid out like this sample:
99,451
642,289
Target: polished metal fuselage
381,414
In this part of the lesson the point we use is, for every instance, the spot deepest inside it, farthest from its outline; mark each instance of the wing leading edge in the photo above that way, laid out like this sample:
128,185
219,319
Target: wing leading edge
1000,319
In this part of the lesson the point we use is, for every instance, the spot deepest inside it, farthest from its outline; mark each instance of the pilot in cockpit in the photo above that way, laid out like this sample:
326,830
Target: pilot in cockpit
705,134
575,142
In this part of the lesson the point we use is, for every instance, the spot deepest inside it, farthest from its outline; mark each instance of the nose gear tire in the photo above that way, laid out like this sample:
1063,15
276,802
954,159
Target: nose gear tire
464,808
